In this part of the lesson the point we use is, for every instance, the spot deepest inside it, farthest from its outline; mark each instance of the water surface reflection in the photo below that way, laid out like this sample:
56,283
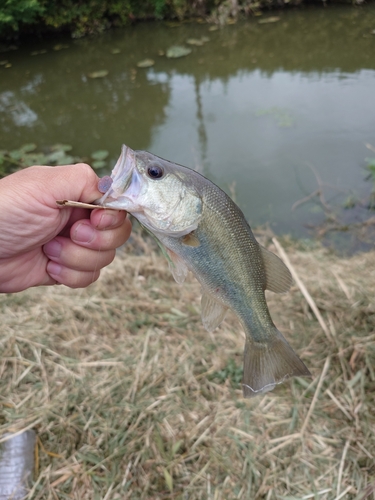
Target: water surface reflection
257,105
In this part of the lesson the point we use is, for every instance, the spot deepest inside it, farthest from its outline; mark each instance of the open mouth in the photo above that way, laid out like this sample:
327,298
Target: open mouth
121,176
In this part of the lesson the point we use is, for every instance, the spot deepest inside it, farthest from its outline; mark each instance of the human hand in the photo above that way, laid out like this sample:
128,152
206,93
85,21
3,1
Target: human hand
41,244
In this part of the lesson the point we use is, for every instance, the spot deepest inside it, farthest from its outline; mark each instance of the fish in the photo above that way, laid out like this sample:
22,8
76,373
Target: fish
205,232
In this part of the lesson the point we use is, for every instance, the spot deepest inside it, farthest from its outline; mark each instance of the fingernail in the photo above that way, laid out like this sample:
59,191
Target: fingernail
84,233
108,219
53,269
53,248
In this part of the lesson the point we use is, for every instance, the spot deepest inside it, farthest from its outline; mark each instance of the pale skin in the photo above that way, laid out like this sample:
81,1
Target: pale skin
41,244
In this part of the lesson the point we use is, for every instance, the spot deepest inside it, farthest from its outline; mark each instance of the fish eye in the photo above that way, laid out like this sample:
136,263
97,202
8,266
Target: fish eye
155,171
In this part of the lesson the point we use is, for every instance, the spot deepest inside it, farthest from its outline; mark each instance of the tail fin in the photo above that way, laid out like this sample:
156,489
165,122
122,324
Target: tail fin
268,364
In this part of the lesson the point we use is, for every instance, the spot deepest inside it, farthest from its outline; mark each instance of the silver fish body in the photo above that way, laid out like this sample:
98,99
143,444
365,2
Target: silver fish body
205,232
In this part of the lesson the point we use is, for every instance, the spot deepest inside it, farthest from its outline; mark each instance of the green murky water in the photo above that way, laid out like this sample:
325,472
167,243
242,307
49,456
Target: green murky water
257,108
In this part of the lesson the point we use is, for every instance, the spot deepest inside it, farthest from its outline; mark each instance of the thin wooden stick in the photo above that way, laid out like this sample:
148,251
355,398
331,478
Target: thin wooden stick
68,203
315,398
303,289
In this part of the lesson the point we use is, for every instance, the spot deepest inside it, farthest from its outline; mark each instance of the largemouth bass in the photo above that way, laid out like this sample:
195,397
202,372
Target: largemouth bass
205,232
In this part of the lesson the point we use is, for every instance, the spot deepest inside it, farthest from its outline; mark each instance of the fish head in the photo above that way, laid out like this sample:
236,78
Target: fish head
159,193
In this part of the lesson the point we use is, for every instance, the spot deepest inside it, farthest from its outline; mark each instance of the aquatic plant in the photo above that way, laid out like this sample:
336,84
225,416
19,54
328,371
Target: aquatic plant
58,154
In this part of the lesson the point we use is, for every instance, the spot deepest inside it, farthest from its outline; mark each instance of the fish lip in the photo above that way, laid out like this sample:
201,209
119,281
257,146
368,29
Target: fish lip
121,176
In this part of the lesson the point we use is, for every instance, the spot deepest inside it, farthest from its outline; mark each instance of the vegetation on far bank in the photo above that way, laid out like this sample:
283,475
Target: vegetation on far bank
93,16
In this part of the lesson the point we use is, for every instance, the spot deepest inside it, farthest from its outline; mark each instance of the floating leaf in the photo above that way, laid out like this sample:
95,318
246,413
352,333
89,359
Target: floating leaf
34,159
115,51
177,51
16,154
146,63
272,19
98,74
60,46
61,147
98,164
101,154
8,65
3,63
213,28
205,39
37,52
172,24
27,148
60,158
194,41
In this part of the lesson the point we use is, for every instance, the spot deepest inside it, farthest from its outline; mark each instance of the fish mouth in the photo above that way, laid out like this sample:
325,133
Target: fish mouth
121,178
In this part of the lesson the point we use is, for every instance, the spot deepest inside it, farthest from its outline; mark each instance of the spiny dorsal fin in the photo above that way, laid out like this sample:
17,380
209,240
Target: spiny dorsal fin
212,312
177,266
278,277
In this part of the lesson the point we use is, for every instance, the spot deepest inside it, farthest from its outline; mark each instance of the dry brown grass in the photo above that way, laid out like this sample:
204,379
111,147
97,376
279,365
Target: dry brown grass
132,399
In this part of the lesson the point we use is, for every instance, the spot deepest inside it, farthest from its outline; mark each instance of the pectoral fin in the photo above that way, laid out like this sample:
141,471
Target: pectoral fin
177,266
278,277
212,312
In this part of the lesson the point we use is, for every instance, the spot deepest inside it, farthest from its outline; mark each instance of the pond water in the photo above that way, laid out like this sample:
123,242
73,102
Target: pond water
260,108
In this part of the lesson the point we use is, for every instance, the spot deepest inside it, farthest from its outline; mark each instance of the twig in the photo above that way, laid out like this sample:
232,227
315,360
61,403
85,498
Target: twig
370,147
341,468
315,398
305,199
303,289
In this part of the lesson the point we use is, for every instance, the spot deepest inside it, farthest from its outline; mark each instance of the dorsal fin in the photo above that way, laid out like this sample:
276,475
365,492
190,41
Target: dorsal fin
278,277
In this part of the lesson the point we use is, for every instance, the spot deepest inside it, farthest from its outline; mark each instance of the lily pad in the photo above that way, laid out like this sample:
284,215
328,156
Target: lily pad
61,147
115,51
213,28
172,24
38,52
98,164
59,158
98,74
100,155
194,41
145,63
177,51
27,148
60,46
272,19
3,63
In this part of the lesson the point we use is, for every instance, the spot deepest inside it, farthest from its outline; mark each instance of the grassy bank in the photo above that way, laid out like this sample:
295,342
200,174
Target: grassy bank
132,398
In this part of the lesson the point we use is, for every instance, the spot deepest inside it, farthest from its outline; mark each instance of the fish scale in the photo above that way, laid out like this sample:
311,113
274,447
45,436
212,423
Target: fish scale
205,232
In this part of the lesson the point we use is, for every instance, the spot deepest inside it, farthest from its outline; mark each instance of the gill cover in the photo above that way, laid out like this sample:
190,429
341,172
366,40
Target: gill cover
168,204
